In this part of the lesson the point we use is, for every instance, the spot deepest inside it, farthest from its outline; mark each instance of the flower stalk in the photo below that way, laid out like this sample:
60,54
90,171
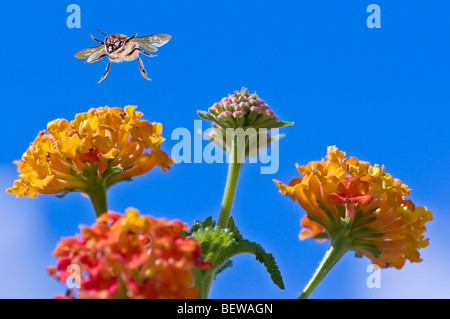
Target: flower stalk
204,283
337,249
234,169
238,120
97,194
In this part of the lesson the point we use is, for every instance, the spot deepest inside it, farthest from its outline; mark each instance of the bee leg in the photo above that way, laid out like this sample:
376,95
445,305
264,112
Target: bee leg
146,53
97,39
141,67
106,72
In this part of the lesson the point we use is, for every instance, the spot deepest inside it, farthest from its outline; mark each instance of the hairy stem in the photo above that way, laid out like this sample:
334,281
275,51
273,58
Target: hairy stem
337,249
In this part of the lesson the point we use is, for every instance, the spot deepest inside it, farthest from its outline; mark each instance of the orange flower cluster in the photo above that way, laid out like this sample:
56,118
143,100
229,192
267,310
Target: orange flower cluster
131,256
345,194
103,145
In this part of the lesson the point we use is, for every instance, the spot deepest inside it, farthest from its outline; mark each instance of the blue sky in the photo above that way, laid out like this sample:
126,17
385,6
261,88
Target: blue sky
379,94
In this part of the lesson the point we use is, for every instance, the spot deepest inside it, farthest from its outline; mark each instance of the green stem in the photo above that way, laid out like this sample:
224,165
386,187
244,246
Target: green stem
234,168
204,283
97,194
337,249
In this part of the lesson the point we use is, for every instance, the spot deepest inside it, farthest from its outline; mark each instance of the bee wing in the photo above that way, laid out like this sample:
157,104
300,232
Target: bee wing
91,53
150,42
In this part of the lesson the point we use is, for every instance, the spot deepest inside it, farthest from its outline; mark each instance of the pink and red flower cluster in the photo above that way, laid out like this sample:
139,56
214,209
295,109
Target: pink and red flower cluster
131,256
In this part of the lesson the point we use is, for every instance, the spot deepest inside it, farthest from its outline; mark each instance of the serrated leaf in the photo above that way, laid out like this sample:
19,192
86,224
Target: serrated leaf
231,224
267,259
269,262
237,234
195,226
208,222
215,242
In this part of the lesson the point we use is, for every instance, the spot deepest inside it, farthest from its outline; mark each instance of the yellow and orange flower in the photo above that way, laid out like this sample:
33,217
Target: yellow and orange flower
370,206
131,256
102,145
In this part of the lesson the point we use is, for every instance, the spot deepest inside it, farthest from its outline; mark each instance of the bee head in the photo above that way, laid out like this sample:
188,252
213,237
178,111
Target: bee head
114,41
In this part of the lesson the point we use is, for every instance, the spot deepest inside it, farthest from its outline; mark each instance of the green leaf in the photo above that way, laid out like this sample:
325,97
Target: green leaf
195,227
322,236
222,123
220,245
231,225
281,124
69,190
185,233
62,195
375,251
341,211
235,230
209,222
329,214
110,173
76,173
359,215
277,138
215,241
366,232
114,170
318,221
267,259
90,172
269,262
206,116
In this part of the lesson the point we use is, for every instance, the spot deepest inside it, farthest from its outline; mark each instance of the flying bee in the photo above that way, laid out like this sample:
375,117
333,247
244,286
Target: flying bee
119,47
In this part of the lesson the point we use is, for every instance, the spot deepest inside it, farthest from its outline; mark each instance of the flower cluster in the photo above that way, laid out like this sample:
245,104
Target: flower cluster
347,195
103,145
244,116
131,256
243,110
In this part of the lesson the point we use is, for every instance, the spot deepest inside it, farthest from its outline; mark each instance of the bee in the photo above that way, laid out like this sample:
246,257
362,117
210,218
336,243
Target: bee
119,47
